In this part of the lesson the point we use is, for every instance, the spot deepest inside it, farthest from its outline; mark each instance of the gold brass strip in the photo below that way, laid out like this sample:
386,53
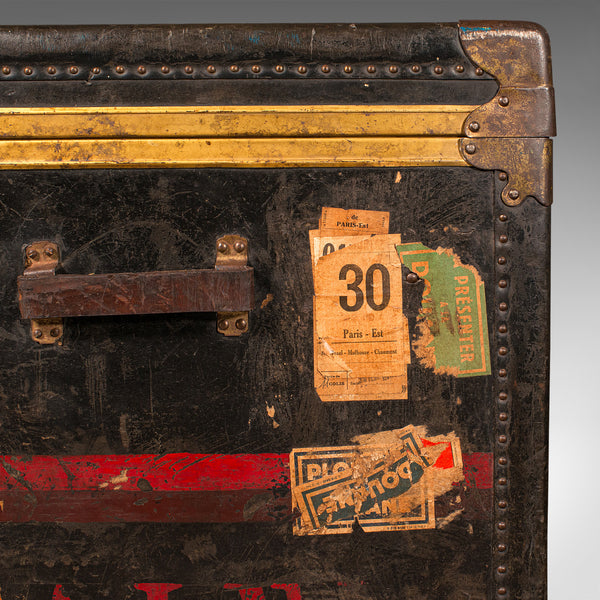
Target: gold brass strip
231,152
233,121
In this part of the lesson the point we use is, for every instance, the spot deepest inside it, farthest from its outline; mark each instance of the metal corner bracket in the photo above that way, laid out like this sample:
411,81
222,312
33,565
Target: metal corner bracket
511,132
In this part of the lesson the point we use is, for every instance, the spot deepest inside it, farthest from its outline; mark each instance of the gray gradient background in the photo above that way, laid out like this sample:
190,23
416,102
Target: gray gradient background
574,27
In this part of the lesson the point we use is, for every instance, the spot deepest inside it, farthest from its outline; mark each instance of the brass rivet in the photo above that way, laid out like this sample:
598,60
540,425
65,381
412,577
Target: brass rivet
49,251
501,260
502,176
55,332
502,283
502,328
239,246
241,324
412,277
501,525
459,68
347,69
164,69
503,218
470,148
503,238
503,396
438,69
28,70
189,69
474,126
513,194
502,439
211,69
502,591
32,254
6,70
502,461
224,324
502,372
479,71
503,101
393,69
96,70
222,247
73,70
302,69
325,68
415,68
141,69
51,70
503,351
279,68
503,416
502,481
501,547
503,504
371,69
503,306
256,68
37,333
120,69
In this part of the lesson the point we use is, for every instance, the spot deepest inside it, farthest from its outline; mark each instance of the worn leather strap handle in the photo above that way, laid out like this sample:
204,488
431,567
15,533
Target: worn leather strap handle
228,290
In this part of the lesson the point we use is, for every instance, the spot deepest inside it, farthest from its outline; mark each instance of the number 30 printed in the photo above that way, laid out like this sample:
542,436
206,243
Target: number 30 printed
359,296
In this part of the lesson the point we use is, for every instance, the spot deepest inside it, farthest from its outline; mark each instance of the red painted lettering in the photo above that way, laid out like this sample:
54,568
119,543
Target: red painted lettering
58,595
157,591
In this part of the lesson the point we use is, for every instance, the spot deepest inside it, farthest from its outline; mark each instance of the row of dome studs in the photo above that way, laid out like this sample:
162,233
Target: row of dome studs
502,398
302,69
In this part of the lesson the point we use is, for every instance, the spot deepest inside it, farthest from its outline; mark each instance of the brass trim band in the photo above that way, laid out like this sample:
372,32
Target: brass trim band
232,121
230,152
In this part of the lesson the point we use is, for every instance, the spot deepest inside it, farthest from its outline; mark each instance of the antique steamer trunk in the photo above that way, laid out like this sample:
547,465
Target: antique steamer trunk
274,311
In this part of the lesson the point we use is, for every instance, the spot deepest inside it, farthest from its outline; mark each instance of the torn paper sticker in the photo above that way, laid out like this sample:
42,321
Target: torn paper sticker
452,332
387,482
353,222
361,341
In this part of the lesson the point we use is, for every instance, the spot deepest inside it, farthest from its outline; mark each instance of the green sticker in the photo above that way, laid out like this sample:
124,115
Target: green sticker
452,335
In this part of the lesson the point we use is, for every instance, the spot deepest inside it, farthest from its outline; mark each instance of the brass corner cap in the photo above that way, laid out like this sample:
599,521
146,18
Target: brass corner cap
517,53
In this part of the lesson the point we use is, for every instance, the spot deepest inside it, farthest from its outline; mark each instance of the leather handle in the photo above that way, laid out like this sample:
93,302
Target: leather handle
155,292
46,298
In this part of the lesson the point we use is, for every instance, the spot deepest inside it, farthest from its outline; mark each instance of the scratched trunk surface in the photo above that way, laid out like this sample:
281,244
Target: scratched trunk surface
162,385
171,383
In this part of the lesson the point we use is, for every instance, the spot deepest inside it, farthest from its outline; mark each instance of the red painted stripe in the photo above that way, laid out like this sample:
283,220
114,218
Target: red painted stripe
169,488
135,472
479,470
